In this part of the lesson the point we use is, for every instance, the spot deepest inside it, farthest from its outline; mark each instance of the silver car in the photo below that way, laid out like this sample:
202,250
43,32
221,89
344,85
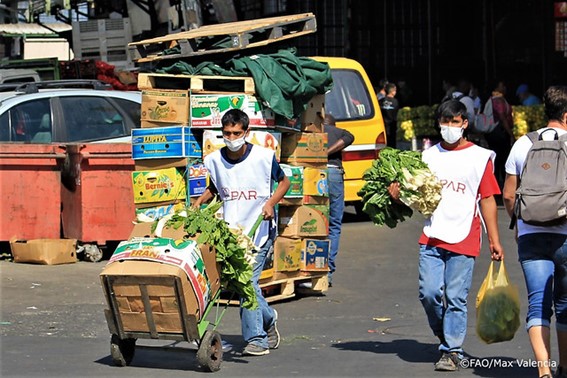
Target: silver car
43,113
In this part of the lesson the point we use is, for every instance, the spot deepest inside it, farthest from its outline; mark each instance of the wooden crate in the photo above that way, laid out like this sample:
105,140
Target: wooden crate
224,37
197,83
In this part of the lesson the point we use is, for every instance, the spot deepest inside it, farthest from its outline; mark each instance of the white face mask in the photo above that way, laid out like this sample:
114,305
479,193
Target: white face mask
235,144
450,134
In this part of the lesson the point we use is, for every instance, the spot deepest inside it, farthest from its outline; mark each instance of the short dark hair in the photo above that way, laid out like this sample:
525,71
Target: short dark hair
235,116
389,88
555,102
452,108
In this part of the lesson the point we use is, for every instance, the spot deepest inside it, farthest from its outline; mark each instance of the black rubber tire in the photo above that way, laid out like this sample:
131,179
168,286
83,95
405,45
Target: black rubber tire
122,350
209,354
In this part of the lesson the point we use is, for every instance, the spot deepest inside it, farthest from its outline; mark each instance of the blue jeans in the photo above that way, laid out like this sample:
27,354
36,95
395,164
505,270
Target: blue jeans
256,322
543,257
444,282
335,180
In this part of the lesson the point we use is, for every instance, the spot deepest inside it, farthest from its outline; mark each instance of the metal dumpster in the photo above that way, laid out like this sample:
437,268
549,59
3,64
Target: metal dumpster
96,195
30,188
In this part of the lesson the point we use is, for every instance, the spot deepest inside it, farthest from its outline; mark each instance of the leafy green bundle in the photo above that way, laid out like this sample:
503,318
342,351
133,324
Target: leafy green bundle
419,188
232,255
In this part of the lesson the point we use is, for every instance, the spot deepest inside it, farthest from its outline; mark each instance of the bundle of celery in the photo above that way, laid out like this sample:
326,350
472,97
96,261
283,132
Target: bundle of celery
419,189
234,249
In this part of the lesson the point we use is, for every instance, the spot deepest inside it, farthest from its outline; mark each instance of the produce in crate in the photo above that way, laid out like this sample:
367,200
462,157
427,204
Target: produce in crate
234,249
419,189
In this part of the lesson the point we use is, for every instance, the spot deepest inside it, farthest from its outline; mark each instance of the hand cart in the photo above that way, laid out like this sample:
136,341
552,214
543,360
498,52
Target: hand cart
184,325
159,303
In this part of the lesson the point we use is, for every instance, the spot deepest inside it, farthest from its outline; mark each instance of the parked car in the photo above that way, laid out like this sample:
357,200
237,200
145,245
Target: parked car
50,112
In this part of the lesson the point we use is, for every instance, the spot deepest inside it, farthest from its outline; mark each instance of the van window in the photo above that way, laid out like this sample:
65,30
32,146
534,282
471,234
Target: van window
91,119
349,98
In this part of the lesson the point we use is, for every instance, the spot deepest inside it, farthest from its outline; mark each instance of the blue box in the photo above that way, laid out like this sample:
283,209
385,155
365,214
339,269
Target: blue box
315,255
197,180
165,142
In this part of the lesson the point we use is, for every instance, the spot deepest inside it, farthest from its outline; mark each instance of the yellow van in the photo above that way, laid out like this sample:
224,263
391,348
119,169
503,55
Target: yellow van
354,104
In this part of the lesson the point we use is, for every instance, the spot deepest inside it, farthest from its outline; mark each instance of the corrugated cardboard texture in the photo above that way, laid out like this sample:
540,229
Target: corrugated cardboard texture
44,251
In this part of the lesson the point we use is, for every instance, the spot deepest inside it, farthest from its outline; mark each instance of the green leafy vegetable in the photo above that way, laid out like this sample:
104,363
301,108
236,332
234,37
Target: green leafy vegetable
419,188
233,252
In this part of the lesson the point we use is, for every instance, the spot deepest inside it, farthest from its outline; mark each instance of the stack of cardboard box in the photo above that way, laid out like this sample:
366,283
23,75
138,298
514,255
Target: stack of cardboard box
181,126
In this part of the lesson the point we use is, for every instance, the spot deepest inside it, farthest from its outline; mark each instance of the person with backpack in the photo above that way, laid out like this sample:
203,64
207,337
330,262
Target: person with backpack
451,237
534,195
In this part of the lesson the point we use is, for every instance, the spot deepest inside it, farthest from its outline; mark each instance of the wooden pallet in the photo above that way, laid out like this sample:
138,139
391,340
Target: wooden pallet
237,35
279,288
197,83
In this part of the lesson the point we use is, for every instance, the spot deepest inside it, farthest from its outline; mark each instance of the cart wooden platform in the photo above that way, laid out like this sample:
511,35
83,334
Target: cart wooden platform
226,37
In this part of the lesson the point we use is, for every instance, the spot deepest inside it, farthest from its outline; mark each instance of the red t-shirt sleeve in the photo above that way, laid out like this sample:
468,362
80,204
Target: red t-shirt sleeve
488,184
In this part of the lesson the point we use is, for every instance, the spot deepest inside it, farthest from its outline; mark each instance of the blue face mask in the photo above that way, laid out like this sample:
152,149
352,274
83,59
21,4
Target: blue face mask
451,135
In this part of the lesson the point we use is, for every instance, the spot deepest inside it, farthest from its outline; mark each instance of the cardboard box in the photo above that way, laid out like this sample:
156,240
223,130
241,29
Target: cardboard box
295,176
315,182
144,124
303,221
213,140
287,254
44,251
207,109
165,106
198,180
154,213
315,255
155,164
305,200
311,120
165,142
127,276
304,147
158,186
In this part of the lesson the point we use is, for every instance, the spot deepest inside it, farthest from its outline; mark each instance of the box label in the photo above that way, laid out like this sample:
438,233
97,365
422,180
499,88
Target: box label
159,185
208,110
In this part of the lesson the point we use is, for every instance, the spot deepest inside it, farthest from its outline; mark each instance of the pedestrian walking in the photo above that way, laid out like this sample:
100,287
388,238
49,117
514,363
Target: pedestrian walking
338,140
542,249
451,237
242,175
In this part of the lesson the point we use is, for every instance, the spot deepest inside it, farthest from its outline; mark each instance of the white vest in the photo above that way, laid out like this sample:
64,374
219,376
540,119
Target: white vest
244,188
460,172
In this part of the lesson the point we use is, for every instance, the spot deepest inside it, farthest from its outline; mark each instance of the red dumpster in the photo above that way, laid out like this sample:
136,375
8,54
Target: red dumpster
30,188
97,197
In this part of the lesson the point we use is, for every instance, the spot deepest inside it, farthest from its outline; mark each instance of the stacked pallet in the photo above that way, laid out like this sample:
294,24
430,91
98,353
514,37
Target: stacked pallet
181,124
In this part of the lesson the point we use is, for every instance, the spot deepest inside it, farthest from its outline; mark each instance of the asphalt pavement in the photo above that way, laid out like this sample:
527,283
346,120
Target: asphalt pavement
369,324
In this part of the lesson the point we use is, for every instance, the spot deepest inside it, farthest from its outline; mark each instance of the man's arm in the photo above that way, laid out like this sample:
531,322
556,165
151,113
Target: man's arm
489,211
205,197
509,193
281,190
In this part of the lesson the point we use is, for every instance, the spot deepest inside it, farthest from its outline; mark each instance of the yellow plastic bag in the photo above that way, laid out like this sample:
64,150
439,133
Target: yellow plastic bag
497,307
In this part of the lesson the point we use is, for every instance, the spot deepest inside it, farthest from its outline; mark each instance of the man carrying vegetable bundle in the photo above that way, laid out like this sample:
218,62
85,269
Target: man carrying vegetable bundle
242,175
451,237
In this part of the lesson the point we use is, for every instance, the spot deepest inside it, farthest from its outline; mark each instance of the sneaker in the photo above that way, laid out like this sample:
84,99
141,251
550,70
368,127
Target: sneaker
255,350
448,362
330,279
274,334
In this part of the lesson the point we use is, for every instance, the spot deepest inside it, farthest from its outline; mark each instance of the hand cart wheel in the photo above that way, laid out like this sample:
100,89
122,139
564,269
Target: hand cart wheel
122,350
209,354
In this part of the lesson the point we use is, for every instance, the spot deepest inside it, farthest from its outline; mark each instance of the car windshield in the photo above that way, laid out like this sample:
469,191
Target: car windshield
349,98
